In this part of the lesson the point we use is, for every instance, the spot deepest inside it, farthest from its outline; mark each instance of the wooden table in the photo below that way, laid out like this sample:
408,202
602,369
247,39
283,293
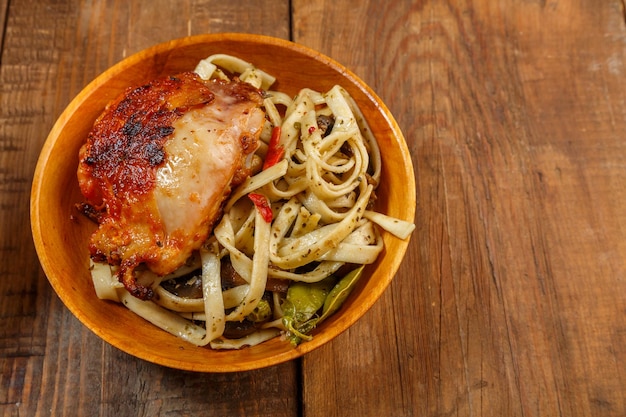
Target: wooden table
512,298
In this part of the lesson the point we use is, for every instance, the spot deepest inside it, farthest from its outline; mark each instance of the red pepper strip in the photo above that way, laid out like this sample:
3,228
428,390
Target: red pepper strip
263,205
275,151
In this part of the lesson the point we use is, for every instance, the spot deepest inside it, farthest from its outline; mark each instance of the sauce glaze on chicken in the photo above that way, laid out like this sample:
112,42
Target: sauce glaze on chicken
157,167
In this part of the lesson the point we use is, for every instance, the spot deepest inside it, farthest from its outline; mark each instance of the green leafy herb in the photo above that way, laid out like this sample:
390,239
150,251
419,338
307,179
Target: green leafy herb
261,312
304,302
340,292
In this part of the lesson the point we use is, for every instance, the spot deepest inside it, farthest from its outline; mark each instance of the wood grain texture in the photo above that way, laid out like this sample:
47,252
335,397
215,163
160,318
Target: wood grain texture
511,300
50,364
3,15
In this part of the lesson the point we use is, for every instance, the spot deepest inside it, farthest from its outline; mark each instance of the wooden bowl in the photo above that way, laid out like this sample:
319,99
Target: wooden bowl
61,235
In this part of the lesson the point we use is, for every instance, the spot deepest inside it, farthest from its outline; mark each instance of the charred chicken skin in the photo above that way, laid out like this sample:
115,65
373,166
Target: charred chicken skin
157,167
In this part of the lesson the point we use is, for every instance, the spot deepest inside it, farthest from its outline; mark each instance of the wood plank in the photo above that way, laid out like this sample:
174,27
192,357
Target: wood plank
510,301
4,8
49,361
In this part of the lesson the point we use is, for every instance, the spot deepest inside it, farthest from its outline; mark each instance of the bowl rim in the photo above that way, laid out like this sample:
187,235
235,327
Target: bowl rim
37,228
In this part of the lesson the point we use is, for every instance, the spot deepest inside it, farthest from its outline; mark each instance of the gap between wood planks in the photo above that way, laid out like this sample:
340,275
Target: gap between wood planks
4,18
290,14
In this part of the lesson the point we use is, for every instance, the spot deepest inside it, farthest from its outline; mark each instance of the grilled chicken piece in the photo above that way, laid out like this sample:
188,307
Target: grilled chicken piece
158,165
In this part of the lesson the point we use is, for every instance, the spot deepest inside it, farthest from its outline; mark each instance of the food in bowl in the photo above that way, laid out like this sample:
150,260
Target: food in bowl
61,236
229,213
